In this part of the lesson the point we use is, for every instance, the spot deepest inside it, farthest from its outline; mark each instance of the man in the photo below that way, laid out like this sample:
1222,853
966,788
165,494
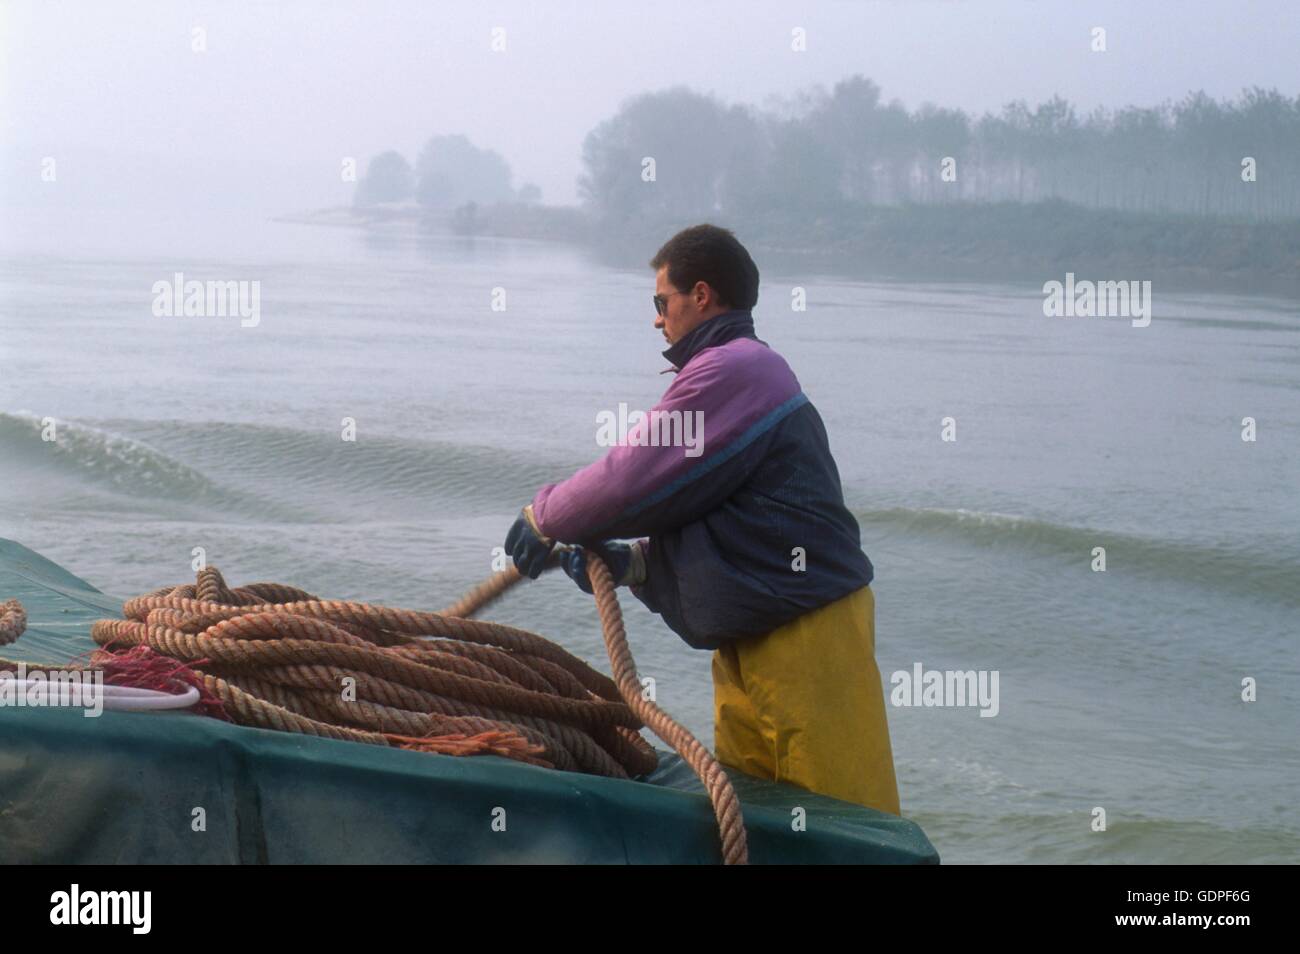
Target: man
749,550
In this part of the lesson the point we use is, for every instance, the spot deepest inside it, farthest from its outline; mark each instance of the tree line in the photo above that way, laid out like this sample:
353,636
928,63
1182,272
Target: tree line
677,154
818,150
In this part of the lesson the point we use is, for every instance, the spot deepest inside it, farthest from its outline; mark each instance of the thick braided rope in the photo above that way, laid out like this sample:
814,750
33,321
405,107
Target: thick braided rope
253,653
485,686
486,592
726,805
627,747
232,634
13,621
391,624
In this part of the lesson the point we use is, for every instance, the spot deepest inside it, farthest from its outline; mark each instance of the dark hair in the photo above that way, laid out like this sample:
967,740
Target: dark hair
707,253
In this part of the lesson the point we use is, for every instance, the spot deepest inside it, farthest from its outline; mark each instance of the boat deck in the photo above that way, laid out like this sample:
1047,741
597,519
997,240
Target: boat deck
125,787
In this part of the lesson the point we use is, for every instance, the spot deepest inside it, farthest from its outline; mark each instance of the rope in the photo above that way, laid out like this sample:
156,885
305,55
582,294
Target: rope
726,805
13,620
276,657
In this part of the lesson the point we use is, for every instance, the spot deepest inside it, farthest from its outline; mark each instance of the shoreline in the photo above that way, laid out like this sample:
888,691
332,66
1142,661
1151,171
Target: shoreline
979,244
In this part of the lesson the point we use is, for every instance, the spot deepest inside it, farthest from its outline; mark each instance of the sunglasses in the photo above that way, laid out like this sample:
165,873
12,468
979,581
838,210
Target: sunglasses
661,302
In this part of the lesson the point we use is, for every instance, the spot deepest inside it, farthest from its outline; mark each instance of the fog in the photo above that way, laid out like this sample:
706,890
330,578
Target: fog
284,92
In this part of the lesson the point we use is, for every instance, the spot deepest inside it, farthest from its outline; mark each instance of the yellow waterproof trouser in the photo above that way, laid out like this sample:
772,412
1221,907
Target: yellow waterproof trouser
804,704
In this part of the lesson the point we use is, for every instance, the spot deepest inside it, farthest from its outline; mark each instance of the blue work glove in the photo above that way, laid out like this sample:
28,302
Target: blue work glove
626,562
527,546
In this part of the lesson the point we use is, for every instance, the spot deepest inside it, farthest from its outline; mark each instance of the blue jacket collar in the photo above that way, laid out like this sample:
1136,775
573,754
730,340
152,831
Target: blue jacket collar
718,330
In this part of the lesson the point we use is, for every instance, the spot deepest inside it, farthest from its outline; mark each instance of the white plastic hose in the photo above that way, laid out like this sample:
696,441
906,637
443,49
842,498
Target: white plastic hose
131,699
128,698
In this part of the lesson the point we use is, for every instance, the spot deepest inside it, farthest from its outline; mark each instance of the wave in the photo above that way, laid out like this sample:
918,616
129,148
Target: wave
275,472
1238,566
319,462
99,460
102,457
259,472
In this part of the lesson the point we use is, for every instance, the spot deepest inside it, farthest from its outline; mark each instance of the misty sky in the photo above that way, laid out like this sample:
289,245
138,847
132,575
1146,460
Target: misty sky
286,89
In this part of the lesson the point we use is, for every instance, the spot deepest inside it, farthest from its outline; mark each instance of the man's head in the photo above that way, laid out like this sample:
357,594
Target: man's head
701,272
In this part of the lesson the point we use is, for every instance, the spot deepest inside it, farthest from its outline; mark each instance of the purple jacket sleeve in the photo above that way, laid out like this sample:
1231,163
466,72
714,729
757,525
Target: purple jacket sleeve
650,484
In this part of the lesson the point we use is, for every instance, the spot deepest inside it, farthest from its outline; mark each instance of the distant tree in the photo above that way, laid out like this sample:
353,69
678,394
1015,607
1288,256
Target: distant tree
1267,124
1143,170
529,193
849,125
452,171
803,169
706,157
938,133
1052,141
1199,123
388,178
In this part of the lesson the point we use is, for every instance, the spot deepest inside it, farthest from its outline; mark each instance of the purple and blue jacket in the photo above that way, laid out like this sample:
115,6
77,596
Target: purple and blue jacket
723,525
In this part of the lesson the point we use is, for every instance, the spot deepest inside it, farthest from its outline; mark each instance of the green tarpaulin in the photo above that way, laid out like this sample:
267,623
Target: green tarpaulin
127,787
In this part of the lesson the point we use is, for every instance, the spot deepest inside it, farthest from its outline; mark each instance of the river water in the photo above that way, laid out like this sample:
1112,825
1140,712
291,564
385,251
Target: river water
1120,690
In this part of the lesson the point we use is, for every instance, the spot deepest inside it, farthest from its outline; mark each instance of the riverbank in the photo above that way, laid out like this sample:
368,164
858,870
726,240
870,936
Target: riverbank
969,242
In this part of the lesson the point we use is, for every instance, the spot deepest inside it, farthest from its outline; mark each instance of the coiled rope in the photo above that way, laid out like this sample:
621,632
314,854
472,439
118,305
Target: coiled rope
13,620
273,656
